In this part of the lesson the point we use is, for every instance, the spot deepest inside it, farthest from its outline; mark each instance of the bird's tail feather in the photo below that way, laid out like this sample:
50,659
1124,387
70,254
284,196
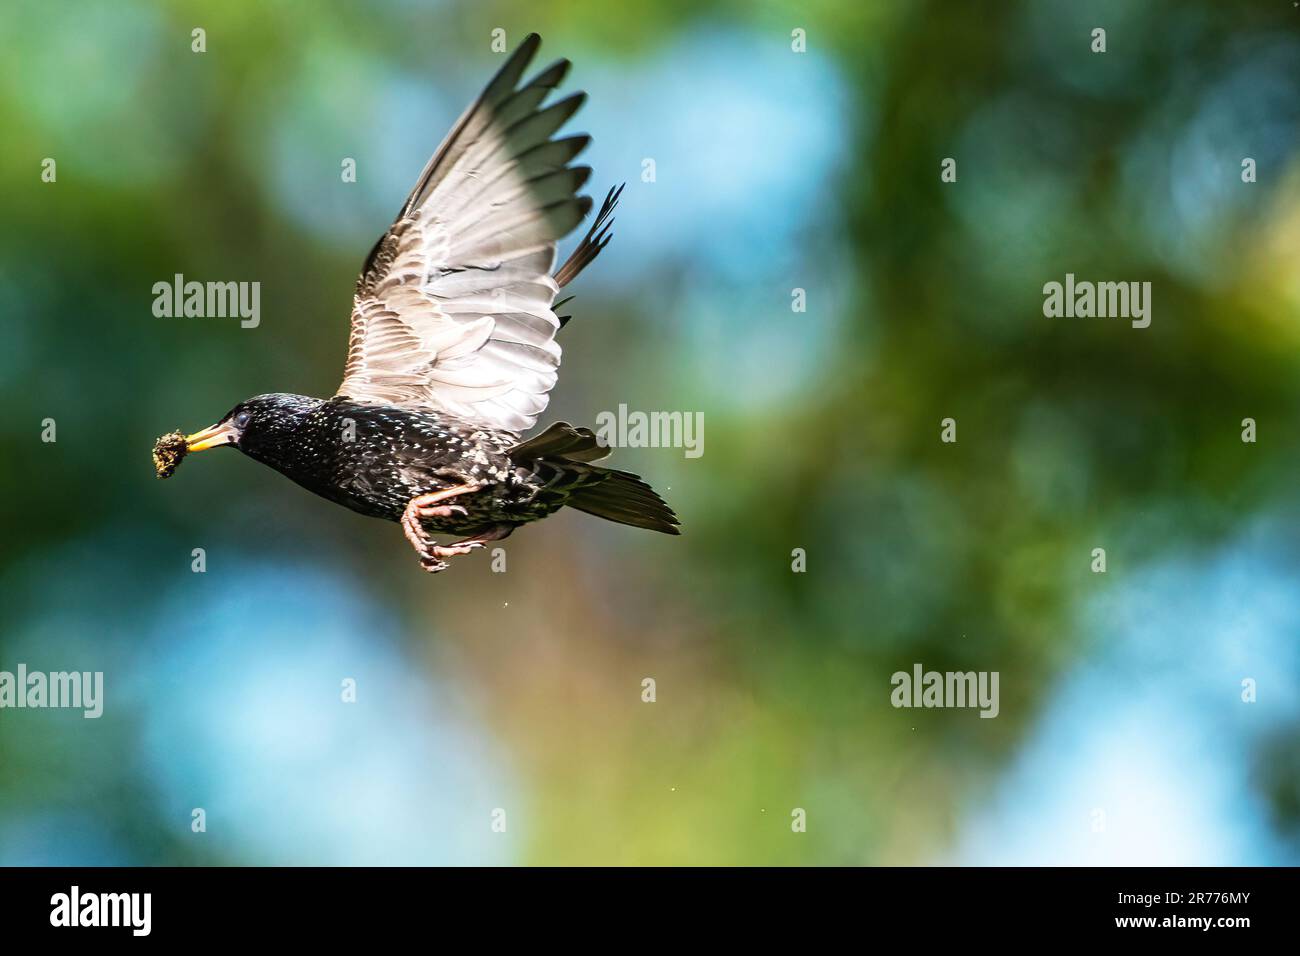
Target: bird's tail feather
623,497
560,441
566,453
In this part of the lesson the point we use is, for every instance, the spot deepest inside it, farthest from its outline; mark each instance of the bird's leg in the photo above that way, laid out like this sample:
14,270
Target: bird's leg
430,506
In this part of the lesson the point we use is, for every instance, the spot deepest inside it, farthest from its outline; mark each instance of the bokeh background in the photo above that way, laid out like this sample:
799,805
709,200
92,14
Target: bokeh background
1122,736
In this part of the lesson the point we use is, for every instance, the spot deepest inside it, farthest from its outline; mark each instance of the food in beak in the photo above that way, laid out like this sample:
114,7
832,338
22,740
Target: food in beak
168,452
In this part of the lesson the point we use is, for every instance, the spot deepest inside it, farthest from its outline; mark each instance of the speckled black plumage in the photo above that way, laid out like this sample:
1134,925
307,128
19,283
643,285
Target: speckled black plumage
374,459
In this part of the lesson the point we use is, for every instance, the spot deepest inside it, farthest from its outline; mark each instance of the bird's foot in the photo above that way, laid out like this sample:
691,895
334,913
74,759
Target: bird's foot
432,559
422,507
431,555
480,540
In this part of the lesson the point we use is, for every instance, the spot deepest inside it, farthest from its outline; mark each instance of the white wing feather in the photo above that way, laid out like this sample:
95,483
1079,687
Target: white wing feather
453,310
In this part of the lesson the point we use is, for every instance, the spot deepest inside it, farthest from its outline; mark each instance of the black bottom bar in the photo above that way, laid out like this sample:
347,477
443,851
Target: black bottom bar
337,905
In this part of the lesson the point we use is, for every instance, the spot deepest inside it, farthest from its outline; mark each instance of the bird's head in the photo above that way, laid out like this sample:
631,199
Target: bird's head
255,425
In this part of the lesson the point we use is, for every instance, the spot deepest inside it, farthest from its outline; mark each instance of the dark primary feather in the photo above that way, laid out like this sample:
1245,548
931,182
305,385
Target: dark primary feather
596,239
592,243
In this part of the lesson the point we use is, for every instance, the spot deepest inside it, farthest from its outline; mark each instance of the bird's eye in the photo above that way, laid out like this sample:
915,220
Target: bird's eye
241,420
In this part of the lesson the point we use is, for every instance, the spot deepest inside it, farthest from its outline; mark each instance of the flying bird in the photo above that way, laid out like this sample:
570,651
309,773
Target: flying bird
453,350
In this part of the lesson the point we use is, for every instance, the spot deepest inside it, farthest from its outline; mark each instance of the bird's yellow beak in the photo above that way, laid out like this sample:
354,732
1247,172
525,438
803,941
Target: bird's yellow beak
211,437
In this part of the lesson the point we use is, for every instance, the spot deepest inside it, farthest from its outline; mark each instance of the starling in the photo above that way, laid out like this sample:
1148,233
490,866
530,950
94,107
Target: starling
452,351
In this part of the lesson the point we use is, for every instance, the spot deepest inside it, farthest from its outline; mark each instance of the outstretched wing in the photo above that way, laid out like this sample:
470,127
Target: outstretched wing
453,307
